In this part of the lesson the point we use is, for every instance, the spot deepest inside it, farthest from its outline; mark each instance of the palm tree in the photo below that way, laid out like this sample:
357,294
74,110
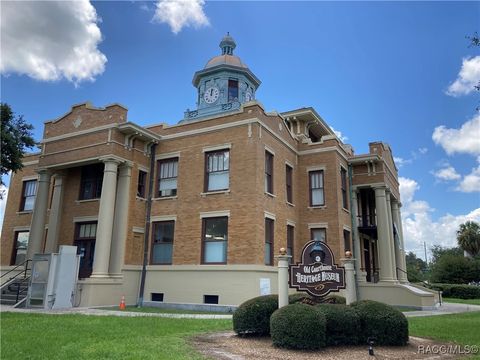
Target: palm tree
468,237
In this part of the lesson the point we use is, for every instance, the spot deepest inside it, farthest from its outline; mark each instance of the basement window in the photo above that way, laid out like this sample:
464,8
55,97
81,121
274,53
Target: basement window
157,297
210,299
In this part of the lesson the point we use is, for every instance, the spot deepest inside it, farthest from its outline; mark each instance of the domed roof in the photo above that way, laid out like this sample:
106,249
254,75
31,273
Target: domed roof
225,60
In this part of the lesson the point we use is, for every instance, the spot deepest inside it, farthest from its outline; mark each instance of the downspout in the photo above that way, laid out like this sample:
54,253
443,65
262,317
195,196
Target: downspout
353,214
147,225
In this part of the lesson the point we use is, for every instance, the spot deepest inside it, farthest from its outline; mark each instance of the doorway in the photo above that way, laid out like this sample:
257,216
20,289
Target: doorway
85,235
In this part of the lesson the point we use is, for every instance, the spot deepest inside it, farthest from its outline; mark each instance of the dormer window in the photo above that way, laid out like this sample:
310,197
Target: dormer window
232,90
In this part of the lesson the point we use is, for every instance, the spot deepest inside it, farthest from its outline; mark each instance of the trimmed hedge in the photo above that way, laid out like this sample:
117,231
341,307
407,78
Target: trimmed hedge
253,316
458,291
298,297
298,326
337,299
381,321
343,324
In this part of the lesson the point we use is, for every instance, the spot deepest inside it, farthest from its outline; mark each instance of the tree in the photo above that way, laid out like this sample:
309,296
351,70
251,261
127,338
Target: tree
451,267
439,251
468,237
416,268
16,136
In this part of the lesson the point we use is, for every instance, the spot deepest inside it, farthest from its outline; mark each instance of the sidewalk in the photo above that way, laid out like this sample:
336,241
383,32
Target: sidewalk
445,308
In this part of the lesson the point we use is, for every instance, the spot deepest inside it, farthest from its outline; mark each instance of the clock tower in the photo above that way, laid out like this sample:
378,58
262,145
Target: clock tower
224,83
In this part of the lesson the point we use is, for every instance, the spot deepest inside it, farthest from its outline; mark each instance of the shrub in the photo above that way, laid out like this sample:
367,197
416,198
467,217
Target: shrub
384,323
458,291
298,297
343,324
253,316
298,326
336,299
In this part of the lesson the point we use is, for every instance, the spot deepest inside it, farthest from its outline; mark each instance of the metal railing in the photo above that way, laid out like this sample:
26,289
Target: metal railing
401,270
23,274
365,220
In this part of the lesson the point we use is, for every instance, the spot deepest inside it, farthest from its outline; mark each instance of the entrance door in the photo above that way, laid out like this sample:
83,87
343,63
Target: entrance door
85,235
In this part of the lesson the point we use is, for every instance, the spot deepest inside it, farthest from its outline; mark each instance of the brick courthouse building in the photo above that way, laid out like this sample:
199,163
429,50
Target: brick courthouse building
232,184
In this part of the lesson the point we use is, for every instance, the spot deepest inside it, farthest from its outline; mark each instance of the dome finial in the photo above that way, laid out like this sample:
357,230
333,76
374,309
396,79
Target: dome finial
227,45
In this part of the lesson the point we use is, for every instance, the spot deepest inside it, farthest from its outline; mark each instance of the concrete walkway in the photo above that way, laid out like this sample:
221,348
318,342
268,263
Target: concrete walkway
445,308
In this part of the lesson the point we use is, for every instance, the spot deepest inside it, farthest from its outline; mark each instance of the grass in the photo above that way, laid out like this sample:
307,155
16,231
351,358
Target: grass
152,309
461,328
37,336
462,301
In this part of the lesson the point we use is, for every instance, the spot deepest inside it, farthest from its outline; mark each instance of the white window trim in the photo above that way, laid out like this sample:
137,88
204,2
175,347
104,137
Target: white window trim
269,150
167,156
138,230
318,225
210,214
217,147
289,164
78,219
291,223
345,227
270,215
30,177
316,168
163,218
21,228
142,168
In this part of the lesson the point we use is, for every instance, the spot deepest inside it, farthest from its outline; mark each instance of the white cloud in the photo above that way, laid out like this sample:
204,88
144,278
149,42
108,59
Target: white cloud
3,204
180,13
401,161
471,182
463,140
467,78
51,40
418,225
339,135
423,150
447,174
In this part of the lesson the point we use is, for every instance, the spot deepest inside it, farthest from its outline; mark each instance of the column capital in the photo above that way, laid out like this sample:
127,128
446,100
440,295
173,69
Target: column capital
44,172
111,159
380,191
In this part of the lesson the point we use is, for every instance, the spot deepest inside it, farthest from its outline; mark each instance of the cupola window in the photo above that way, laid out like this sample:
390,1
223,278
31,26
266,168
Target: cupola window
232,90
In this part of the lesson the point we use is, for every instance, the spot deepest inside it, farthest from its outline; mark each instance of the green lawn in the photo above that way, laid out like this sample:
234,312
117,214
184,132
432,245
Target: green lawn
36,336
462,301
461,329
151,309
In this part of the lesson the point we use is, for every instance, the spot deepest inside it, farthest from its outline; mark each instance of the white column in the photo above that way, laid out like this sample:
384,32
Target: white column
383,243
357,248
37,227
283,278
105,219
120,222
390,234
400,252
350,285
55,216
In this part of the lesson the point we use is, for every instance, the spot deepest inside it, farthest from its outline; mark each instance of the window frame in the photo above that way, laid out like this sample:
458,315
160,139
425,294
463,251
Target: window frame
269,173
343,180
232,99
347,240
97,181
310,174
13,258
24,197
291,241
318,228
289,183
204,241
270,224
159,178
142,184
207,172
154,224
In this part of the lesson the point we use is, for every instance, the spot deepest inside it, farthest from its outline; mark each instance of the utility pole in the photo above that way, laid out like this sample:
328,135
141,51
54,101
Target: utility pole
425,249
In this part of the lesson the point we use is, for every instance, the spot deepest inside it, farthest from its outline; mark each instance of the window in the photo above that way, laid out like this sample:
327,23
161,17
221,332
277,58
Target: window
20,249
210,299
157,297
268,172
162,247
215,235
232,90
28,195
319,234
316,188
91,182
346,240
343,176
142,183
85,236
269,234
290,237
217,170
288,182
167,177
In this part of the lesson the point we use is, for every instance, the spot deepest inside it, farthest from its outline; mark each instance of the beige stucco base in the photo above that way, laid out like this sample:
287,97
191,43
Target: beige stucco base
398,294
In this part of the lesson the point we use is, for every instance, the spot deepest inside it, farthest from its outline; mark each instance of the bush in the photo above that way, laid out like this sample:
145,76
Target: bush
458,291
385,324
298,297
336,299
452,269
253,316
298,326
343,324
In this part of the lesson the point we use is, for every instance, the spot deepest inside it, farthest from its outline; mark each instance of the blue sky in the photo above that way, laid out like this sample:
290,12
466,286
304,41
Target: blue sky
400,72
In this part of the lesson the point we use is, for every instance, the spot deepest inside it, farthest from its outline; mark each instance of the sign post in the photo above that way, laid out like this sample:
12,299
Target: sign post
350,288
283,278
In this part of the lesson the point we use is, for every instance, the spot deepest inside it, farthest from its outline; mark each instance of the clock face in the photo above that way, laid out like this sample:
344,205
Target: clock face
211,95
248,96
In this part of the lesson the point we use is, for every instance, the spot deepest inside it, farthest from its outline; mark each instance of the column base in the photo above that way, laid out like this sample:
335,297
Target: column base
100,275
116,276
391,281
